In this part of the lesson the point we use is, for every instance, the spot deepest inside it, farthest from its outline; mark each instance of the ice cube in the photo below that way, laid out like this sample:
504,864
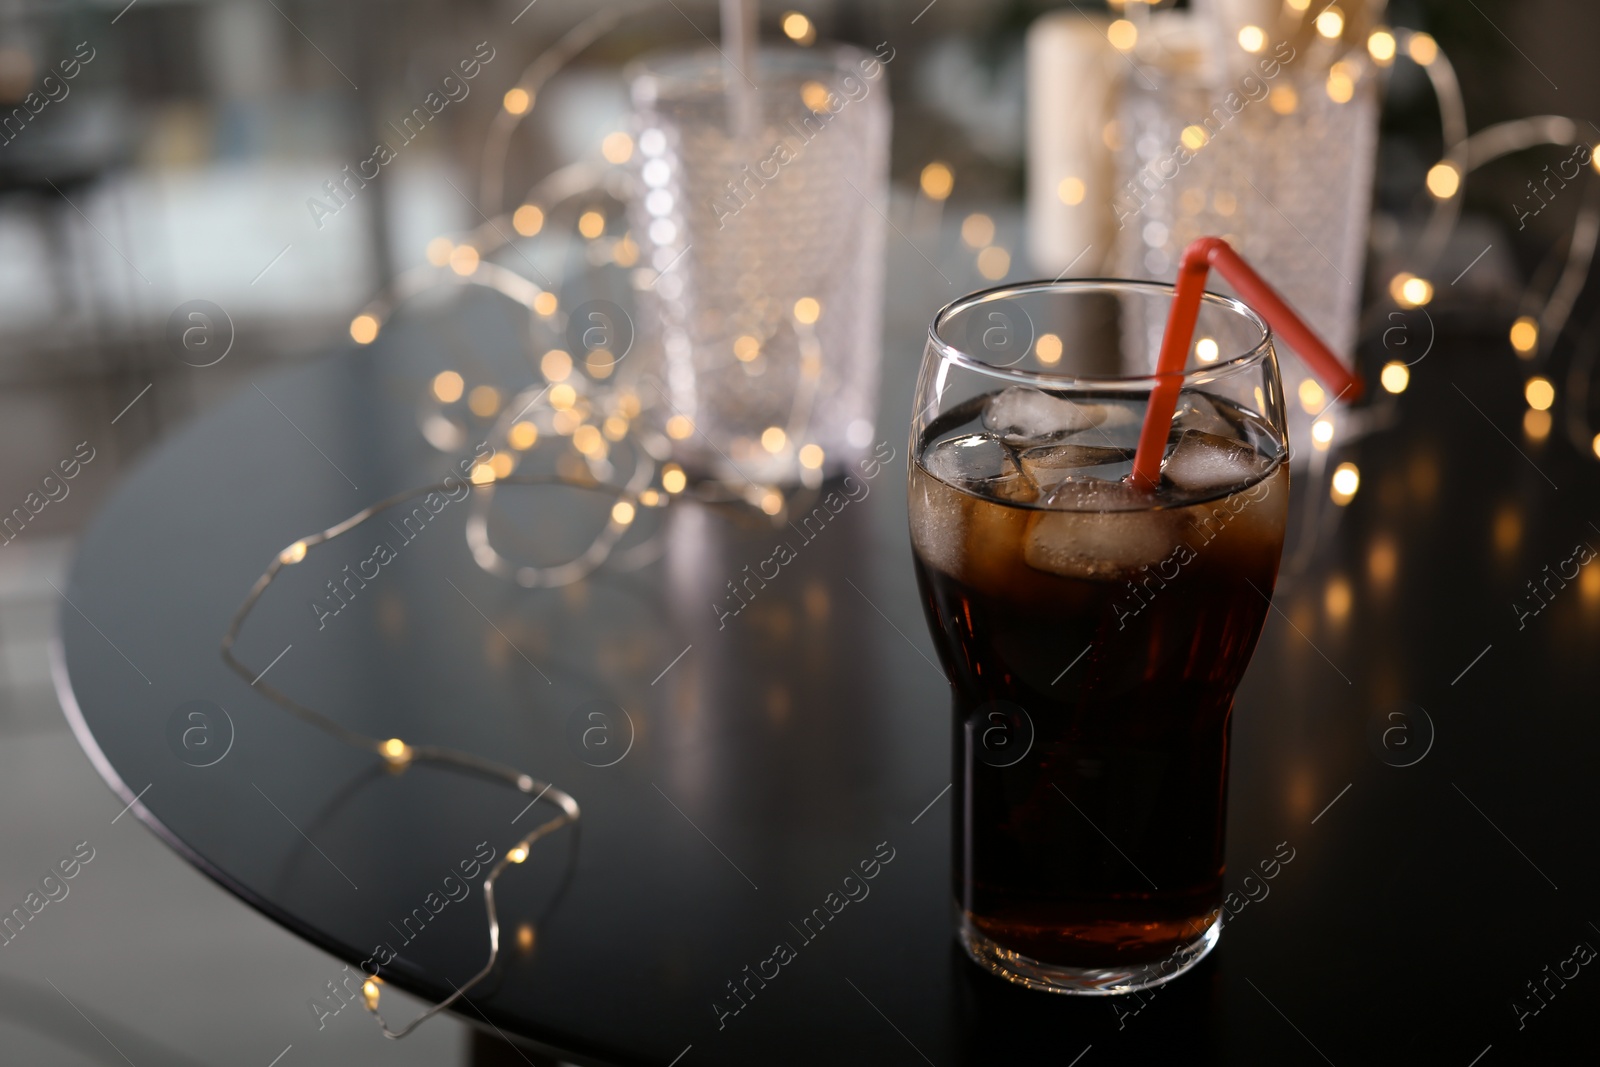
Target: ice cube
1203,461
1029,416
981,464
1196,411
1049,464
975,540
1101,543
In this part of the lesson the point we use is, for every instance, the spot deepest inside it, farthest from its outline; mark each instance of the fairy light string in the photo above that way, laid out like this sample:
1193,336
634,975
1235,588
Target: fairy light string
399,755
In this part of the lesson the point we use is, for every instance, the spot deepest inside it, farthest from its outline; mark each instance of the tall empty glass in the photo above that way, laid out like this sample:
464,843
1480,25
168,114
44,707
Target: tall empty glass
1093,633
760,212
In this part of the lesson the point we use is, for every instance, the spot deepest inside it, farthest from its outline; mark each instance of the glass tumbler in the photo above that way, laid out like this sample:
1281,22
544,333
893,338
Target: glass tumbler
760,213
1093,633
1281,165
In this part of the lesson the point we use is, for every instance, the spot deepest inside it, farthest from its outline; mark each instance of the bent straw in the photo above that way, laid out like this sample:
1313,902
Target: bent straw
1198,259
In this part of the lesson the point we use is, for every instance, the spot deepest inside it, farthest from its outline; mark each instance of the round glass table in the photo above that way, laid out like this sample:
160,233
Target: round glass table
714,905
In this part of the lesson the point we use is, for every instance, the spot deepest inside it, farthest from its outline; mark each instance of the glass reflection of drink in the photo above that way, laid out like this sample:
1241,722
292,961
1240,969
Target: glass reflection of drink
1093,633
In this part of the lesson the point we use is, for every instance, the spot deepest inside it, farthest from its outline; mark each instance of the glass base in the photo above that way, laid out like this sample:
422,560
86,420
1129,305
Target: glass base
1084,981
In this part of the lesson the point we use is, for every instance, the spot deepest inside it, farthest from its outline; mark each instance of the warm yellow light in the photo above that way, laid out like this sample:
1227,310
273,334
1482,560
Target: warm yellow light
517,101
1299,5
673,479
1123,35
448,386
1380,46
587,439
502,464
1422,49
545,304
807,310
363,329
394,749
651,499
622,513
1340,87
1443,180
528,220
629,405
1047,348
1589,583
746,348
565,421
811,457
555,365
1507,530
517,855
439,251
1336,598
1536,424
1540,393
1283,100
815,96
1346,480
463,259
679,427
617,147
370,994
626,253
615,427
1194,138
1594,158
1071,191
1525,335
1321,434
1312,396
937,181
563,396
1383,560
293,554
1206,350
1252,39
523,436
1395,376
484,400
591,224
482,474
773,439
994,262
1330,23
600,362
525,937
798,28
772,502
1410,291
977,230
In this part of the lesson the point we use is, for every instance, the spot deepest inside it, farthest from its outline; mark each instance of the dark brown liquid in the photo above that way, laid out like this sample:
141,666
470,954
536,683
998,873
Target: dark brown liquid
1102,845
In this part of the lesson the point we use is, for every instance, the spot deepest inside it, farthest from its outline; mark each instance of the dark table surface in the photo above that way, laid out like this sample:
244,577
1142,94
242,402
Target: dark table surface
771,756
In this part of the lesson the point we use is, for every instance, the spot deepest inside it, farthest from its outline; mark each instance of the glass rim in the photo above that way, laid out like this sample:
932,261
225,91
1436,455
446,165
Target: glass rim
1240,361
706,69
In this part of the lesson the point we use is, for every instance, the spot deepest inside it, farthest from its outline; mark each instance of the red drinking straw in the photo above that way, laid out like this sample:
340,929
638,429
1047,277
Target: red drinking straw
1198,259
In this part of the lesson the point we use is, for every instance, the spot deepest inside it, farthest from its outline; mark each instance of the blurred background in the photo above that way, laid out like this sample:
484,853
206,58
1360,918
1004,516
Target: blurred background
176,164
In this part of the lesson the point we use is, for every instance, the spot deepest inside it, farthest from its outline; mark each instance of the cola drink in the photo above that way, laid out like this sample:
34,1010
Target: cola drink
1093,634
